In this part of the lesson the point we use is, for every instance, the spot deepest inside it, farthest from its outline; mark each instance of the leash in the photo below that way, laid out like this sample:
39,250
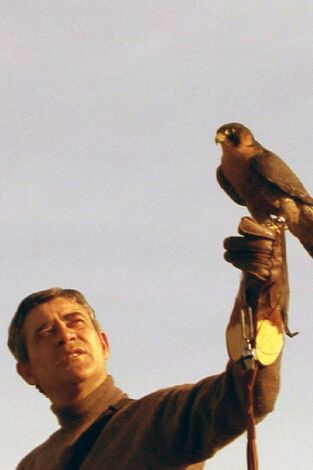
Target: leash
251,365
252,453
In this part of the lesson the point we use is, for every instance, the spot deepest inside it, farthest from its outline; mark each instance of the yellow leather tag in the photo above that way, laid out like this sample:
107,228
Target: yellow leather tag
269,342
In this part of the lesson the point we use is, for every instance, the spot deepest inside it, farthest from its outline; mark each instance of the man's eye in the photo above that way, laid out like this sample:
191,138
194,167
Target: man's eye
46,331
77,322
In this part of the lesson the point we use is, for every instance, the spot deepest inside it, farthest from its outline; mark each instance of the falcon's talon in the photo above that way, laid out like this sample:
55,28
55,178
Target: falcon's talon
278,218
279,221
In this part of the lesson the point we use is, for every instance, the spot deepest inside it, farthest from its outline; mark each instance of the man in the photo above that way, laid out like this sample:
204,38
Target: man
61,350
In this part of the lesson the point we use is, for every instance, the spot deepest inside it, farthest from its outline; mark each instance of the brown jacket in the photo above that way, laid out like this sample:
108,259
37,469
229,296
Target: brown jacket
169,429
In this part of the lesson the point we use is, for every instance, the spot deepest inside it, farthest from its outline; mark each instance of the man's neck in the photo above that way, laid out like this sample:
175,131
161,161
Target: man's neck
73,393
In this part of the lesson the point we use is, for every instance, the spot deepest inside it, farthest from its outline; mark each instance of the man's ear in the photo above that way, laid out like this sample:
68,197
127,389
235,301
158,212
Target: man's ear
25,371
105,344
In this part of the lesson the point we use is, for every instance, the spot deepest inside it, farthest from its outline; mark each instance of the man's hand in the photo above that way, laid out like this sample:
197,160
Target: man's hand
252,252
260,254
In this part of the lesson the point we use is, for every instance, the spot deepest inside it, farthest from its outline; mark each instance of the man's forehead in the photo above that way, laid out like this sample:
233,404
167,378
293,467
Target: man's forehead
58,307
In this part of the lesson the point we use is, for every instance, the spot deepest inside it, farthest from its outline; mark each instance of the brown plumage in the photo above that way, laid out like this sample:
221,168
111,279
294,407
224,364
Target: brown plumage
258,179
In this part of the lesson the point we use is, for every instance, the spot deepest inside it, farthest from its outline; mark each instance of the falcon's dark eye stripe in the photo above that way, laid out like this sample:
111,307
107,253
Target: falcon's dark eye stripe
234,138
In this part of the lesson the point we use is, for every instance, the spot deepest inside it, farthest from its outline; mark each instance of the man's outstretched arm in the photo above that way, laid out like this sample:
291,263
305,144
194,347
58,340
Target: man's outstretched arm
192,422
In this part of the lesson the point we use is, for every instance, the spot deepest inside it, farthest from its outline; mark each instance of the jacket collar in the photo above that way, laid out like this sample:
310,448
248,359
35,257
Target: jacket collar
107,394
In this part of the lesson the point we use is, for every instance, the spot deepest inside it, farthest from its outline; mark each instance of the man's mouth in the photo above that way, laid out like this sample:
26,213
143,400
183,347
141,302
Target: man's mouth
72,353
75,354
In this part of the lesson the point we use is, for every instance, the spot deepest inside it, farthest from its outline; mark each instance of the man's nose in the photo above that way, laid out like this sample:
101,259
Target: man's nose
64,333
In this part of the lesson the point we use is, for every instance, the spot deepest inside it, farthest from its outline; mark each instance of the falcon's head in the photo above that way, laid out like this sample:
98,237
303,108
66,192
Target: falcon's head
234,135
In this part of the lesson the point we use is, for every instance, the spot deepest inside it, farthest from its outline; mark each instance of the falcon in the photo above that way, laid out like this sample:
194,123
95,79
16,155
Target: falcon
255,177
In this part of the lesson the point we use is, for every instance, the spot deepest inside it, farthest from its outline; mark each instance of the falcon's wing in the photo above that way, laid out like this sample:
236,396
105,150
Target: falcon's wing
225,184
275,170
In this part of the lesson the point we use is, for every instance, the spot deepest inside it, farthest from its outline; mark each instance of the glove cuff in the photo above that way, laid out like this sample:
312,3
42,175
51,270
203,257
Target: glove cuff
268,339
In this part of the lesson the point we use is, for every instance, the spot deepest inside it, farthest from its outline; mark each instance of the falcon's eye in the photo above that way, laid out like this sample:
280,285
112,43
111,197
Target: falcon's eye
230,131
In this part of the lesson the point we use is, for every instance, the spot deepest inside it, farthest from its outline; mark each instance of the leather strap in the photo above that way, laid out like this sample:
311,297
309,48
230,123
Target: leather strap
252,454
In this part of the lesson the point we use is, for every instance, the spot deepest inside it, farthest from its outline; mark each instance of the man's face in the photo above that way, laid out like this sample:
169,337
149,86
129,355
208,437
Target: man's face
64,348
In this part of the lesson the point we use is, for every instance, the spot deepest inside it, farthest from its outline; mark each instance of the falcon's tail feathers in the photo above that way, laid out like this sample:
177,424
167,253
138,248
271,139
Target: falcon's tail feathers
302,227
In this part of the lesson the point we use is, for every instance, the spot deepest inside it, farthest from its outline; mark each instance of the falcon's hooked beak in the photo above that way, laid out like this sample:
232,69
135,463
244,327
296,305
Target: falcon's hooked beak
219,138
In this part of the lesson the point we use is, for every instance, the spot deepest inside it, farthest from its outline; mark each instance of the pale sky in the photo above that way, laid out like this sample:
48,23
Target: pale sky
108,116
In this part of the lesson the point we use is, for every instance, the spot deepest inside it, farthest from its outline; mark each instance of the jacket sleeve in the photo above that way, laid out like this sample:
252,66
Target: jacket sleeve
191,422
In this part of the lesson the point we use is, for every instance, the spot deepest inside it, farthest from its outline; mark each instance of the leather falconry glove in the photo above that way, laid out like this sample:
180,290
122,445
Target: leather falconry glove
259,318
